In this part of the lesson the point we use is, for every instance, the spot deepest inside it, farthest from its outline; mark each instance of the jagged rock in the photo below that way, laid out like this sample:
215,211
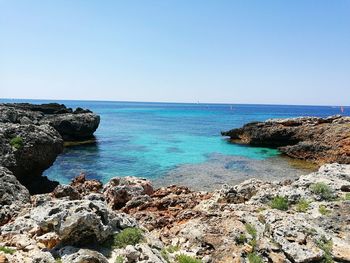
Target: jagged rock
73,126
32,256
66,191
46,108
167,207
119,191
37,131
71,254
141,253
13,196
74,222
35,151
240,193
84,186
291,235
321,140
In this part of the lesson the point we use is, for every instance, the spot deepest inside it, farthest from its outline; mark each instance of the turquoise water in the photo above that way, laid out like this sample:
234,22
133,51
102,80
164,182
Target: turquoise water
165,141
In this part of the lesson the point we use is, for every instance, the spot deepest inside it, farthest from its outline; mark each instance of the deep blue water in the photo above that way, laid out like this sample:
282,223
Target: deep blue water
171,140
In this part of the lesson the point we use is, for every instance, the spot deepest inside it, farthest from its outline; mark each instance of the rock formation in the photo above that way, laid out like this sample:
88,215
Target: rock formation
306,220
71,125
13,196
28,150
320,140
127,220
31,137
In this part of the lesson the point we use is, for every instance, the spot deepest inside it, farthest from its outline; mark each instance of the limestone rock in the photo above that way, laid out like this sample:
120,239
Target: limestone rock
321,140
66,191
119,191
13,196
73,126
71,254
35,151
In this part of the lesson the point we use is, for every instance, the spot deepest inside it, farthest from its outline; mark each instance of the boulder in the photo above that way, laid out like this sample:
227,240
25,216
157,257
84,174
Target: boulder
66,191
119,191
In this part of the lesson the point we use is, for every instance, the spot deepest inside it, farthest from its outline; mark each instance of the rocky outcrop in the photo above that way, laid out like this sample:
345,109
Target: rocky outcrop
54,223
72,125
32,136
320,140
13,196
119,191
306,220
28,150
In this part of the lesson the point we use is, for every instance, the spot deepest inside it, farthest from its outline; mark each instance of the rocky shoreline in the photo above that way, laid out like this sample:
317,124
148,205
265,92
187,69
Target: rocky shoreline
32,136
319,140
127,220
307,220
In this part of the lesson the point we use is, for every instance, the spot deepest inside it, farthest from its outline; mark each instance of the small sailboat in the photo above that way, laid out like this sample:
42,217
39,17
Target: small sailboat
342,109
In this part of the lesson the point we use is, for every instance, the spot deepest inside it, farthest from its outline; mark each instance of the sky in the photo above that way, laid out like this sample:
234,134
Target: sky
244,51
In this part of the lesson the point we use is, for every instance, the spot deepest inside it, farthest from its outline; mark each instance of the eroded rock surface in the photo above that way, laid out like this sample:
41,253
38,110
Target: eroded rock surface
321,140
13,196
71,125
32,136
28,150
232,224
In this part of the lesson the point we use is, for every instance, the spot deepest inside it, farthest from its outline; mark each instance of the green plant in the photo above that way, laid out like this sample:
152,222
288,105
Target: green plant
347,196
119,259
187,259
7,250
16,142
310,231
165,255
241,239
322,190
166,250
280,203
172,249
251,230
254,258
302,205
128,236
326,246
253,243
323,210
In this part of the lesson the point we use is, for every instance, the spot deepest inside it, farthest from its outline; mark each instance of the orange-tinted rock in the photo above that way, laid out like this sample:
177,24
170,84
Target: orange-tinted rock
84,186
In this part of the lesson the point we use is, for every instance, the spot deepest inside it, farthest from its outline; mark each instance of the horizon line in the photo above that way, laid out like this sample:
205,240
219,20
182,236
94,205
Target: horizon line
175,102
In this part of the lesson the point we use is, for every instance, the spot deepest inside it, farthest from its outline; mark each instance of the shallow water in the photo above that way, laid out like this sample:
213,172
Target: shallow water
177,143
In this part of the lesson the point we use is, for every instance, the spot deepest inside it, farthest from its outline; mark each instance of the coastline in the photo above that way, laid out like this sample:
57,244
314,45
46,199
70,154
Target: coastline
284,221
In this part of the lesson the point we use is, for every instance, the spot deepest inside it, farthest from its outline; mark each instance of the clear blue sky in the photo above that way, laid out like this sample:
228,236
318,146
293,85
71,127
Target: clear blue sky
284,52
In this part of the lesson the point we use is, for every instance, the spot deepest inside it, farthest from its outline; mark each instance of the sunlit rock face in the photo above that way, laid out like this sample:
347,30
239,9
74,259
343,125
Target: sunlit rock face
321,140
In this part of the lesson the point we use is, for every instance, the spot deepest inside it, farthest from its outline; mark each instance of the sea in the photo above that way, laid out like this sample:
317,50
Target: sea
178,143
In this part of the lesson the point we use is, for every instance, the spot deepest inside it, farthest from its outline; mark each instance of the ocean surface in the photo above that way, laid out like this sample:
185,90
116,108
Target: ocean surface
173,143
